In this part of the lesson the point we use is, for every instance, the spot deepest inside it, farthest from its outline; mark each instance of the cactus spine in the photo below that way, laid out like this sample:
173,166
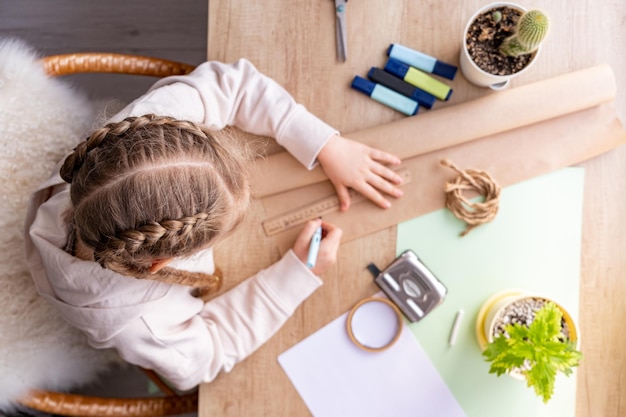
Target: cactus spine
532,28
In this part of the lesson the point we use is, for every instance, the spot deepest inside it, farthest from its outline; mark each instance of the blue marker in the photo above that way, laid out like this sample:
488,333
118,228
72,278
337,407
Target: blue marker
314,247
396,84
386,96
421,61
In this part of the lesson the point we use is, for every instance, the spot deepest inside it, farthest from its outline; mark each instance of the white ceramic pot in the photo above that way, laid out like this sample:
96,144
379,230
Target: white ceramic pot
473,73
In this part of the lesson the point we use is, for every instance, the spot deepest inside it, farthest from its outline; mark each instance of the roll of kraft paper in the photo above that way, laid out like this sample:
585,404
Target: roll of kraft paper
453,125
584,125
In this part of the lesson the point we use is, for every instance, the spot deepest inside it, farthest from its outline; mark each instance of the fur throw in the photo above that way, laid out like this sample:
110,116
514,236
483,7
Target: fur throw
41,119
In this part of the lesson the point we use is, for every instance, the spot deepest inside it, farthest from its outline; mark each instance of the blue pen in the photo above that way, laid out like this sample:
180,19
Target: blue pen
386,96
421,60
314,247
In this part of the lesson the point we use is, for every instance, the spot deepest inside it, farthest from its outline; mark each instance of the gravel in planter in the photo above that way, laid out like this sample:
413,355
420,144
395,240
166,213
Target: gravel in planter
523,312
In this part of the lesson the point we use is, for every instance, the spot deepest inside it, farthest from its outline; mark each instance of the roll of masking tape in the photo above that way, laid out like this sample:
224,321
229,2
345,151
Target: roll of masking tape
374,324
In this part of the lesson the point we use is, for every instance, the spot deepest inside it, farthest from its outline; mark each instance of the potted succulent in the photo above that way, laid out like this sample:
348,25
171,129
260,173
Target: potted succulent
501,41
529,337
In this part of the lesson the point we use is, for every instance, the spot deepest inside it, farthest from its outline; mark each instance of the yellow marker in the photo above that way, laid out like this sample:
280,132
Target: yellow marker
418,79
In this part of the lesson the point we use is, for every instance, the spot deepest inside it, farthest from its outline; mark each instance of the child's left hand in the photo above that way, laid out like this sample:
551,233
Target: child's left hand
350,164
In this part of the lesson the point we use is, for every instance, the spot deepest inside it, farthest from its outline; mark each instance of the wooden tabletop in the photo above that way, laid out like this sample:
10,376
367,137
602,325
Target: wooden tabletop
294,43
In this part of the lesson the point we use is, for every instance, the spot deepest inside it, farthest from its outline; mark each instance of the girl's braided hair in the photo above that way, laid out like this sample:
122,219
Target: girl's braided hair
153,187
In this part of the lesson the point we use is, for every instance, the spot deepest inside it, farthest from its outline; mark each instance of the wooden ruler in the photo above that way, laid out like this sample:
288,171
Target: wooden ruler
315,209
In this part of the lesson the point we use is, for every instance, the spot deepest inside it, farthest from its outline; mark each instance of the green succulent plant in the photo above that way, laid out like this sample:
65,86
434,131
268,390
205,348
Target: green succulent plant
539,351
532,28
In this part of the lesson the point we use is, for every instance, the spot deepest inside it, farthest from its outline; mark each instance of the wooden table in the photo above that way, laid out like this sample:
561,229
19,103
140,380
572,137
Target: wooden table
294,42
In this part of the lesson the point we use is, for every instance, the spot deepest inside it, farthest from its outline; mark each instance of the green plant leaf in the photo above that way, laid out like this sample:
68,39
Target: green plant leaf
537,350
505,354
546,324
563,356
517,332
541,378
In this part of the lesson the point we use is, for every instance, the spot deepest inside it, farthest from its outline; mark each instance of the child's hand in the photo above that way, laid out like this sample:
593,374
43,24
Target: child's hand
327,255
352,164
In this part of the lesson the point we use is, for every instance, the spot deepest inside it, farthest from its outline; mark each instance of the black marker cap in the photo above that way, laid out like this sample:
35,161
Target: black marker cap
391,81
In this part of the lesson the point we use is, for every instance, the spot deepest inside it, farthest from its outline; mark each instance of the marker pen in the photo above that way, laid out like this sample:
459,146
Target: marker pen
421,61
382,77
386,96
314,247
418,78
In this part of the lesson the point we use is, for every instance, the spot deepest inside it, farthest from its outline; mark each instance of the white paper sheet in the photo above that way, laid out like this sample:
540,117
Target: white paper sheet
336,378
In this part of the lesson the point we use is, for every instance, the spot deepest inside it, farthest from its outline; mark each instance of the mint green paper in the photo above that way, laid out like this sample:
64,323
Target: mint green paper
534,244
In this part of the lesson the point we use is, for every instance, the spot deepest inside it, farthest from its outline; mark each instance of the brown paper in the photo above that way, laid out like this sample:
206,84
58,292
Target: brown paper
513,135
453,125
509,158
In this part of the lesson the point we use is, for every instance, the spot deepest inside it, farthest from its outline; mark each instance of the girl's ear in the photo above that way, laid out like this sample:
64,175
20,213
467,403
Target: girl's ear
159,264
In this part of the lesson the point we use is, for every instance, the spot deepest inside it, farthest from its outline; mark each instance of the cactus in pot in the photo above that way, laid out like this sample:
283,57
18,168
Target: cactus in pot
531,30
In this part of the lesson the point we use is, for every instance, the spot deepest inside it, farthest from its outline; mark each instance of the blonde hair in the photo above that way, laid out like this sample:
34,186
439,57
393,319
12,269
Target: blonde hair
153,187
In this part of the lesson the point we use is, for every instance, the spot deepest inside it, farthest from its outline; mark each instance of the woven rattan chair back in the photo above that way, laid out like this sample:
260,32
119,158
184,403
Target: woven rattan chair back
77,405
56,65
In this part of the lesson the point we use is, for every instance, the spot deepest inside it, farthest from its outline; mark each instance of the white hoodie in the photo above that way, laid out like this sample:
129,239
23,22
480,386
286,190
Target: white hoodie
161,326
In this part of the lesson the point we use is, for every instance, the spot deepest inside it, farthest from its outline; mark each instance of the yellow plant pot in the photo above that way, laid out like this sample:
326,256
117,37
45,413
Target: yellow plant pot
491,308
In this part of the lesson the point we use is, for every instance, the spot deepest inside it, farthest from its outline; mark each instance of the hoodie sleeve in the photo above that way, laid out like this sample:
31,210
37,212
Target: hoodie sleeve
238,95
189,342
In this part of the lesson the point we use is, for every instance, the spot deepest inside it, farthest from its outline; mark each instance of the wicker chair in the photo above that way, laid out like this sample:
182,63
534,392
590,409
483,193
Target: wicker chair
76,405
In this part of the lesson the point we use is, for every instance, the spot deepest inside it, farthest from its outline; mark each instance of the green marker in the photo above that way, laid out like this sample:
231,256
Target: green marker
418,79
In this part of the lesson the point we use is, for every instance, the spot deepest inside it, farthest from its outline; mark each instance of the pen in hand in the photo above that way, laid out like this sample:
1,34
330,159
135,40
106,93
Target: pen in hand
314,247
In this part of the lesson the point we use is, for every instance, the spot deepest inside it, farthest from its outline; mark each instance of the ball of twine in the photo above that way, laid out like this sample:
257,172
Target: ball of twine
472,213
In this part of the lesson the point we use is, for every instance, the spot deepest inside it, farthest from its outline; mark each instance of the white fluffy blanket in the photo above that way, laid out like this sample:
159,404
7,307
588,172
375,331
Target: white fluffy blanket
41,119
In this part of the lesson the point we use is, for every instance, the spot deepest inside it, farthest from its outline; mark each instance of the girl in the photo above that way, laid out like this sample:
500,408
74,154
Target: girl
118,239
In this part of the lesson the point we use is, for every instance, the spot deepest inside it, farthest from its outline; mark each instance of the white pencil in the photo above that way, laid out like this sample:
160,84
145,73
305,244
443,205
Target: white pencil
455,327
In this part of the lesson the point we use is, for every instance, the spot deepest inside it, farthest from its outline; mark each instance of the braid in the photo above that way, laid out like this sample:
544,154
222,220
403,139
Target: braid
153,187
205,284
75,160
132,241
112,131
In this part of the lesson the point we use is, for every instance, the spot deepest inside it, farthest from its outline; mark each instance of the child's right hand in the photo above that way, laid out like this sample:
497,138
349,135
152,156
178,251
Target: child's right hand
329,245
350,164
